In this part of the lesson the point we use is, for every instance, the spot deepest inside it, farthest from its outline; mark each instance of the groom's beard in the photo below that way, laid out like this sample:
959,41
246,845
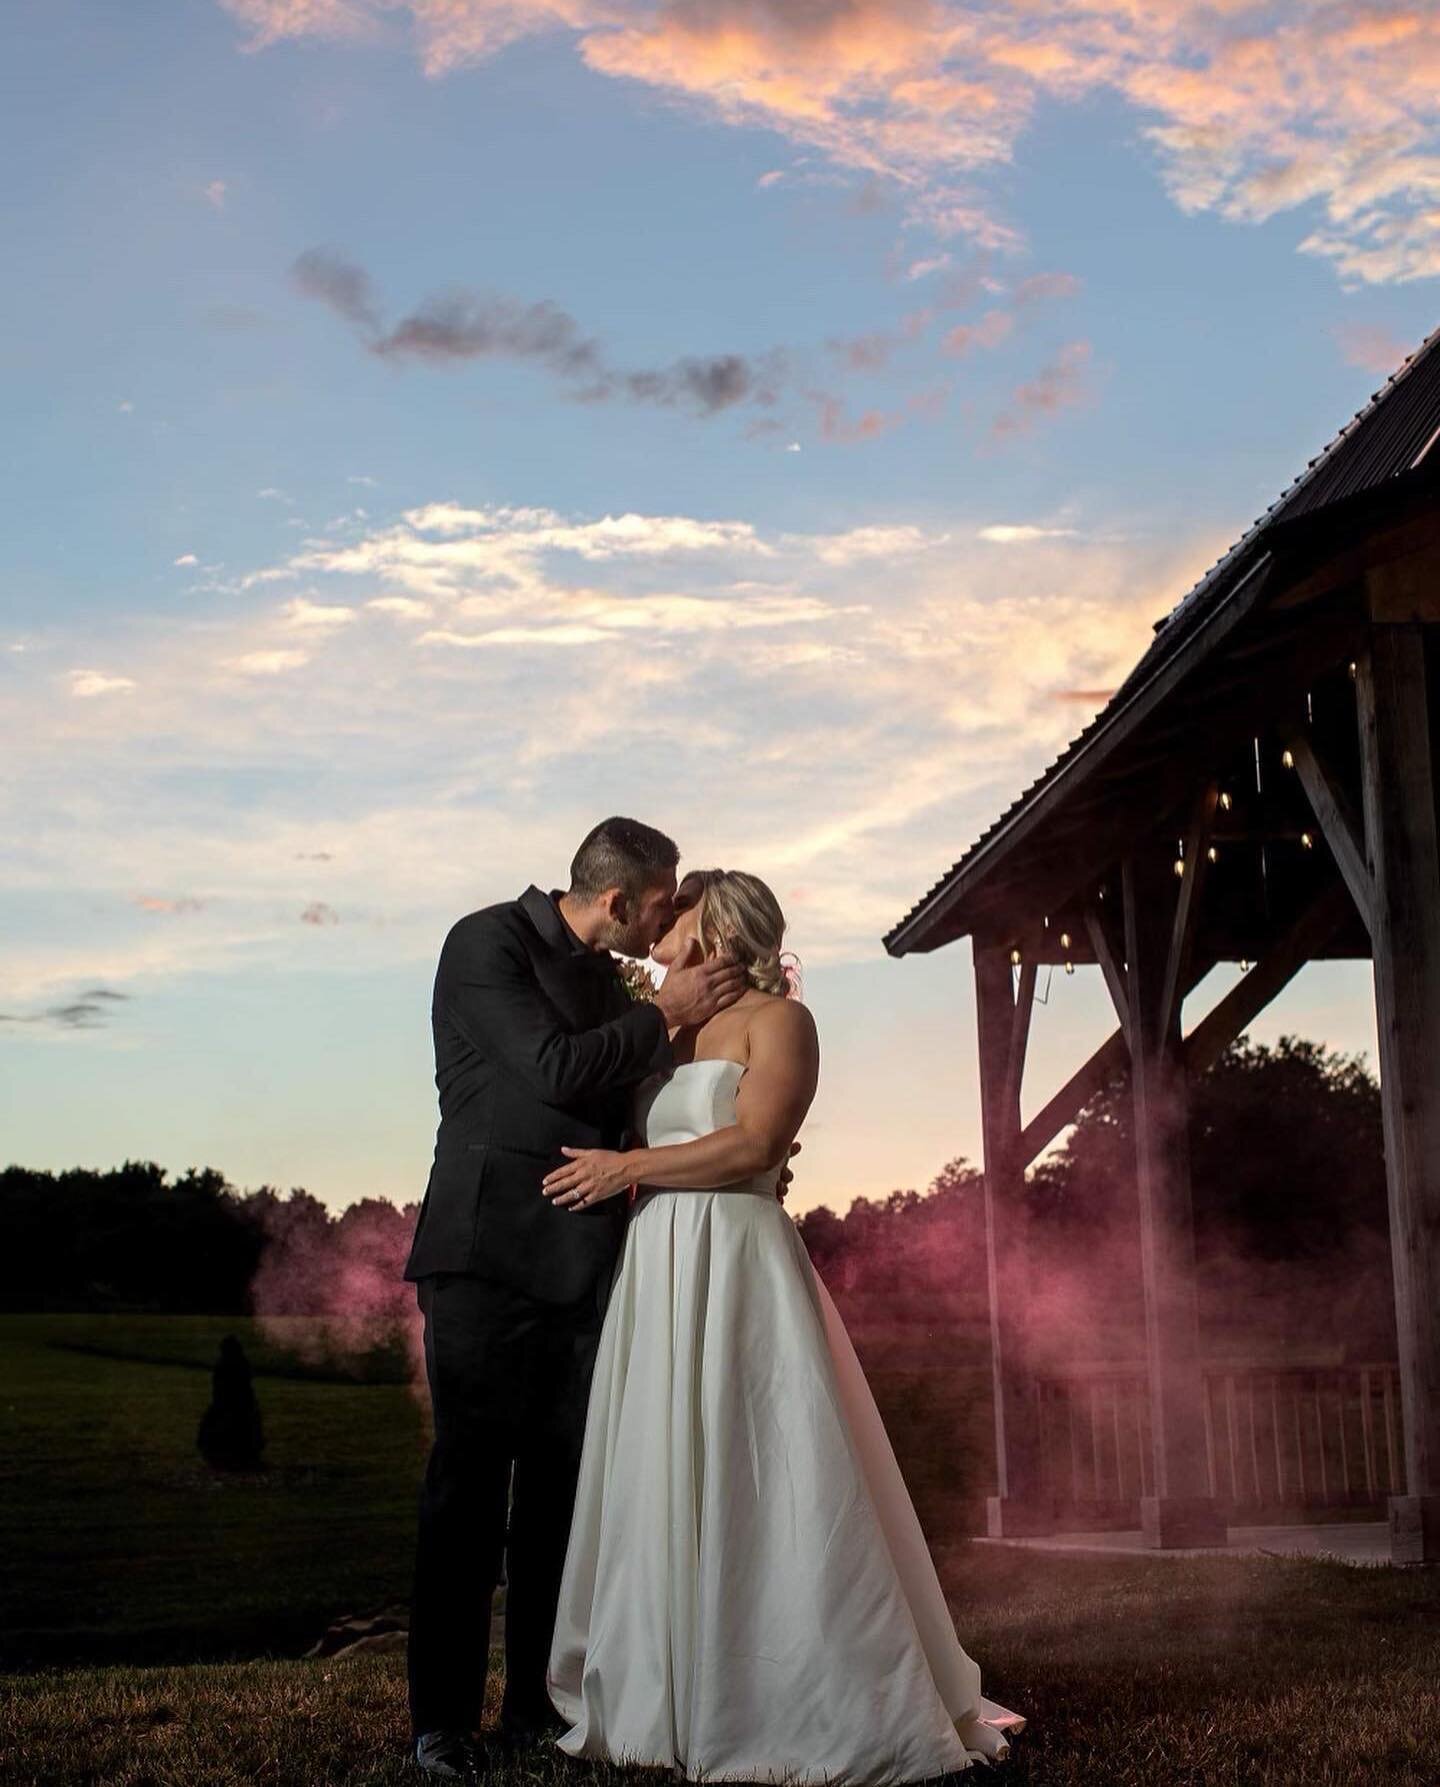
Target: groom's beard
628,940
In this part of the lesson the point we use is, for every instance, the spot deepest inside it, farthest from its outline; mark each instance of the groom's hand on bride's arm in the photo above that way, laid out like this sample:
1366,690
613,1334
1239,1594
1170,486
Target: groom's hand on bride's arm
691,996
590,1176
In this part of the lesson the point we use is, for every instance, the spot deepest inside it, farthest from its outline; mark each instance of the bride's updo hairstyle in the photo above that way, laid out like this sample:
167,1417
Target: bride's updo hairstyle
738,913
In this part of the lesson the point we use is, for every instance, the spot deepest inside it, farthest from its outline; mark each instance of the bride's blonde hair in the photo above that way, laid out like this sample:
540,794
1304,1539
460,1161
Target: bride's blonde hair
739,913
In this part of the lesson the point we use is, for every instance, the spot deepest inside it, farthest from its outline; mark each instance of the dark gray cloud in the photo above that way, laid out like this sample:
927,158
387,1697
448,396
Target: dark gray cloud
329,277
463,325
474,326
86,1011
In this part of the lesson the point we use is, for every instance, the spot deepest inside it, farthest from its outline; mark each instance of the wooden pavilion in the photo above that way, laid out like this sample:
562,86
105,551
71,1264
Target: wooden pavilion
1261,790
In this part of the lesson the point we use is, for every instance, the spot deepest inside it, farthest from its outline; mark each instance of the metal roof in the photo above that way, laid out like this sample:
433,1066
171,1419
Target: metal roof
1392,435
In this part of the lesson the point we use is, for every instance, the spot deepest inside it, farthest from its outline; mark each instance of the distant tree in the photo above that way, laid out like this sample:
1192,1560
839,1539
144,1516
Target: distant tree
1286,1153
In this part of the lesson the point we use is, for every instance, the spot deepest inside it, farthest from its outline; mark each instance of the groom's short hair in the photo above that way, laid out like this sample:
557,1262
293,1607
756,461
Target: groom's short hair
621,853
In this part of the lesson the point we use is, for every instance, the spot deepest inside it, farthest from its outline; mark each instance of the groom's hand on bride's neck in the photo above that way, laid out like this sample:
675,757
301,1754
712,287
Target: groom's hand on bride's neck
690,995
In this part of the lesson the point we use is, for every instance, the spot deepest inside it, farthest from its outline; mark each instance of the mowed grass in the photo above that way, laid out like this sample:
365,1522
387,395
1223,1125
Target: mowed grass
153,1615
118,1543
1140,1673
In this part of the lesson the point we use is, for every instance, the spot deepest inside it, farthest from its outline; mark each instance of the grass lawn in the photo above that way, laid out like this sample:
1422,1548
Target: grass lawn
1135,1674
117,1542
152,1614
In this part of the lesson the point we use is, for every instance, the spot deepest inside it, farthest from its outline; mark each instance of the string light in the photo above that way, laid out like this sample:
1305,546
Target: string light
1015,957
1306,841
1354,670
1244,967
1179,865
1212,854
1069,967
1227,799
1287,758
1064,940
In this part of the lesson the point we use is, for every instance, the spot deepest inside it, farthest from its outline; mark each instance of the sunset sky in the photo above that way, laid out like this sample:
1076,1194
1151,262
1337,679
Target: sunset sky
432,427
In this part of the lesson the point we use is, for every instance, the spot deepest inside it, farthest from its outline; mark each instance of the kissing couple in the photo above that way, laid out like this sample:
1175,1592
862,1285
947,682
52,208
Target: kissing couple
647,1408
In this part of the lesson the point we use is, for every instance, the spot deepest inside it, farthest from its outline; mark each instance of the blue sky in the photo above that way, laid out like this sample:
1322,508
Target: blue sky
433,427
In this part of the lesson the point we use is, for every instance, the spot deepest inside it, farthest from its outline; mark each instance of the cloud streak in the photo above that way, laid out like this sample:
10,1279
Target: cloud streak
460,326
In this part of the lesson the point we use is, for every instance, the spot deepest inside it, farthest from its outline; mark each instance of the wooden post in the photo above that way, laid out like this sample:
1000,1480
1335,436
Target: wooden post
1400,836
1181,1511
1017,1509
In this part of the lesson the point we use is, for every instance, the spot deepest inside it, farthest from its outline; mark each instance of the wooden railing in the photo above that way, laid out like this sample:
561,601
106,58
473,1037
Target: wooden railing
1276,1437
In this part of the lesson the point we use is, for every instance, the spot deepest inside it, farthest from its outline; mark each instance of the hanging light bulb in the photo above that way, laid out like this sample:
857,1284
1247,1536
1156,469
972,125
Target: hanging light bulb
1287,758
1064,940
1244,967
1212,854
1307,842
1354,669
1015,956
1227,799
1179,865
1069,967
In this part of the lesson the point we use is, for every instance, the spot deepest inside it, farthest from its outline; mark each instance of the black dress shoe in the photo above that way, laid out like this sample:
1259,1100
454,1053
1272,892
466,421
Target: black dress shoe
523,1731
448,1756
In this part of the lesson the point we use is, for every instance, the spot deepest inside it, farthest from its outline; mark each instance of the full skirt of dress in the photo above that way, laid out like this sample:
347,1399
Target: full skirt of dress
747,1592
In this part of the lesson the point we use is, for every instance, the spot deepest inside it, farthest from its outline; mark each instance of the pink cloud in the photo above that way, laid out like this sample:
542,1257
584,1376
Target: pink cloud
1368,345
990,331
1059,385
1251,106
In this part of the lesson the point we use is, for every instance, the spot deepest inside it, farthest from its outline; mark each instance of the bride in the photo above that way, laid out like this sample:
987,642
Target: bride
747,1594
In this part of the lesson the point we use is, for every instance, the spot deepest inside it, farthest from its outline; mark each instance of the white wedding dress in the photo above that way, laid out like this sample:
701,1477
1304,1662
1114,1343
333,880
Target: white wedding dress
747,1593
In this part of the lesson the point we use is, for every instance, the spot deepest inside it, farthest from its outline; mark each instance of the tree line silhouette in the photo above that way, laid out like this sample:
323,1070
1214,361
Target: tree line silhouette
1288,1183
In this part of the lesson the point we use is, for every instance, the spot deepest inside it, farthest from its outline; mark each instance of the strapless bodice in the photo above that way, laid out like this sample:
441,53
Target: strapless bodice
693,1100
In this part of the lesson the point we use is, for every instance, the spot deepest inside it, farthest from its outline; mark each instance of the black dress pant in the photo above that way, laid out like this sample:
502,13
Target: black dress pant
509,1383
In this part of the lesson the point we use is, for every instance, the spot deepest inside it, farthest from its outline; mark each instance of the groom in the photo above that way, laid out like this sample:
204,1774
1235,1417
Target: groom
537,1046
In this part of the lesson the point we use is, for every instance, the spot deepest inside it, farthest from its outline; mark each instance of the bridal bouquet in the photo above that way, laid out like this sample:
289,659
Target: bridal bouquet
638,980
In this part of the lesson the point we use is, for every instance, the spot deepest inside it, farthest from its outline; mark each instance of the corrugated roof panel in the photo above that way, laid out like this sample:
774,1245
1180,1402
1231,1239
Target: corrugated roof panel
1385,439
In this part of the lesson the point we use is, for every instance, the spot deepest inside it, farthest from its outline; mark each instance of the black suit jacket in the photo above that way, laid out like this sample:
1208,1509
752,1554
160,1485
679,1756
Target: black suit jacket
537,1046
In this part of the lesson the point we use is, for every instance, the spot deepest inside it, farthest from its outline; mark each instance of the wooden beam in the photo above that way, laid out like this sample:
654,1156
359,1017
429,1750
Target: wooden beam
1181,1510
1020,1033
1017,1507
1405,589
1187,905
1275,969
1108,1061
1336,564
1108,954
1336,818
1399,787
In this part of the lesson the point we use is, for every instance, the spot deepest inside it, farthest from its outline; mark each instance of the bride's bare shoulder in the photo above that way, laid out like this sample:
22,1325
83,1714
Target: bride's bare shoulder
783,1020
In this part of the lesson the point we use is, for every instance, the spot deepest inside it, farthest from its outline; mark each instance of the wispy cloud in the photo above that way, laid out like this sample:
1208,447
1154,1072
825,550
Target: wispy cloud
1021,533
89,683
839,709
1059,385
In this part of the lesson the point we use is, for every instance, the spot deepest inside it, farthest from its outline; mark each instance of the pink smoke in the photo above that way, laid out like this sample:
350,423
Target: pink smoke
332,1288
